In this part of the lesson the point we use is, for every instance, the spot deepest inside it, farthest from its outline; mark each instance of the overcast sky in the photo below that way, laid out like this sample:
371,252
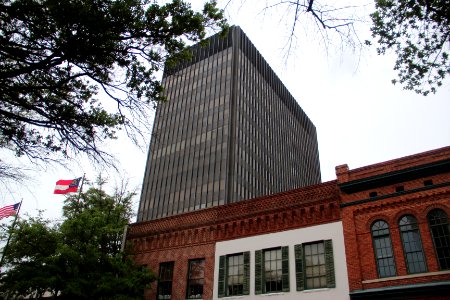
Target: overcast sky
360,117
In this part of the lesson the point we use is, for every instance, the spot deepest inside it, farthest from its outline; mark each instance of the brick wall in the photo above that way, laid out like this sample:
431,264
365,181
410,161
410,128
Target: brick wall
180,256
357,221
359,211
194,234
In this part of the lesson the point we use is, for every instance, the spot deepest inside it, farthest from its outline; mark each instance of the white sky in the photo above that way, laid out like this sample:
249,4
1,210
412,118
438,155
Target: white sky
360,117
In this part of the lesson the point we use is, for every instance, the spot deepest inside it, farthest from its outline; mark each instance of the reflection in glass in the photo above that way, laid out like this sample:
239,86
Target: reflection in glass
412,245
272,270
315,269
196,279
383,249
235,275
165,280
440,231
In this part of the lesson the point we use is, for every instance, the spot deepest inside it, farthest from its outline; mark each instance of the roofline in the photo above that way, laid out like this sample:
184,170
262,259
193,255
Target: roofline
394,177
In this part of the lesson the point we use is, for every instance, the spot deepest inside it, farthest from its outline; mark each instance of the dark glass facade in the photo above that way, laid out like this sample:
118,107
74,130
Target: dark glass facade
229,131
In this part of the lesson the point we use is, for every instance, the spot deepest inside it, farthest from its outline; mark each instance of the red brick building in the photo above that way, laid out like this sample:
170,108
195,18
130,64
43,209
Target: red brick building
380,231
395,217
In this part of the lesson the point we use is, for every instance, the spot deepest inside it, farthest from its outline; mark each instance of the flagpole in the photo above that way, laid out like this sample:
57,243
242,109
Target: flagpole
124,238
81,188
9,237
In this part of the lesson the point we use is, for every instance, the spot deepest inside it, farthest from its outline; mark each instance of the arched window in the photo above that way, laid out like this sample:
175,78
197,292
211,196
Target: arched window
383,249
412,245
440,231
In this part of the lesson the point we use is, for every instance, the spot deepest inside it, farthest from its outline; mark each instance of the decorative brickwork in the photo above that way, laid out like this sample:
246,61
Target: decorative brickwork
193,235
416,198
412,185
298,208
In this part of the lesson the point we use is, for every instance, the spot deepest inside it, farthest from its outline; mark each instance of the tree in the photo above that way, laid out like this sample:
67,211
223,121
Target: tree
32,246
325,22
419,33
59,58
80,258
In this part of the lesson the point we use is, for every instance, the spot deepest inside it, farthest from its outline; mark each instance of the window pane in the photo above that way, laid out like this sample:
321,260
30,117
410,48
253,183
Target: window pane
196,279
315,266
440,231
235,275
412,244
383,249
273,271
164,290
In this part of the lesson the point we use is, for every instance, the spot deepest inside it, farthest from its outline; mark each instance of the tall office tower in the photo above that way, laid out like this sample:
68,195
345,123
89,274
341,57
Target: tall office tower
229,131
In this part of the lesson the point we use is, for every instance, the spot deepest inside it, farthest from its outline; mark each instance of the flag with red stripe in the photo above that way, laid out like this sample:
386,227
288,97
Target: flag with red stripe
9,210
67,186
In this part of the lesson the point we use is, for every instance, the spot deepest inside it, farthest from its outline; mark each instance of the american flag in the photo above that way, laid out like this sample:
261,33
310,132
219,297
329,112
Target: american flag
9,210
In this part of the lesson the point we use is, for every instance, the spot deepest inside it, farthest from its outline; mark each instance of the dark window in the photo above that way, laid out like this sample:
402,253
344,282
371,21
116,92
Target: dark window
314,265
412,245
272,270
382,245
428,182
440,231
399,188
165,280
373,194
196,279
234,275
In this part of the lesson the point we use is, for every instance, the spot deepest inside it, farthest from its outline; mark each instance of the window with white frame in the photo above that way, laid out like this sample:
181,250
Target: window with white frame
314,265
234,275
272,270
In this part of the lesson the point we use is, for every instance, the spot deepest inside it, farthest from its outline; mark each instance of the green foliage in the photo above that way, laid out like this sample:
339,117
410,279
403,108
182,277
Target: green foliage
80,258
33,248
57,56
419,33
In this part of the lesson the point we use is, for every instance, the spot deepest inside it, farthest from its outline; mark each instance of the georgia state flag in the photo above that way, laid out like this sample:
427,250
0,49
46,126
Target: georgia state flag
67,186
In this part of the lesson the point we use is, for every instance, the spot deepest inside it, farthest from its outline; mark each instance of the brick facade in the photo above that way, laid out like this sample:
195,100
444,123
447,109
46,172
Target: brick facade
424,180
181,257
193,235
412,185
